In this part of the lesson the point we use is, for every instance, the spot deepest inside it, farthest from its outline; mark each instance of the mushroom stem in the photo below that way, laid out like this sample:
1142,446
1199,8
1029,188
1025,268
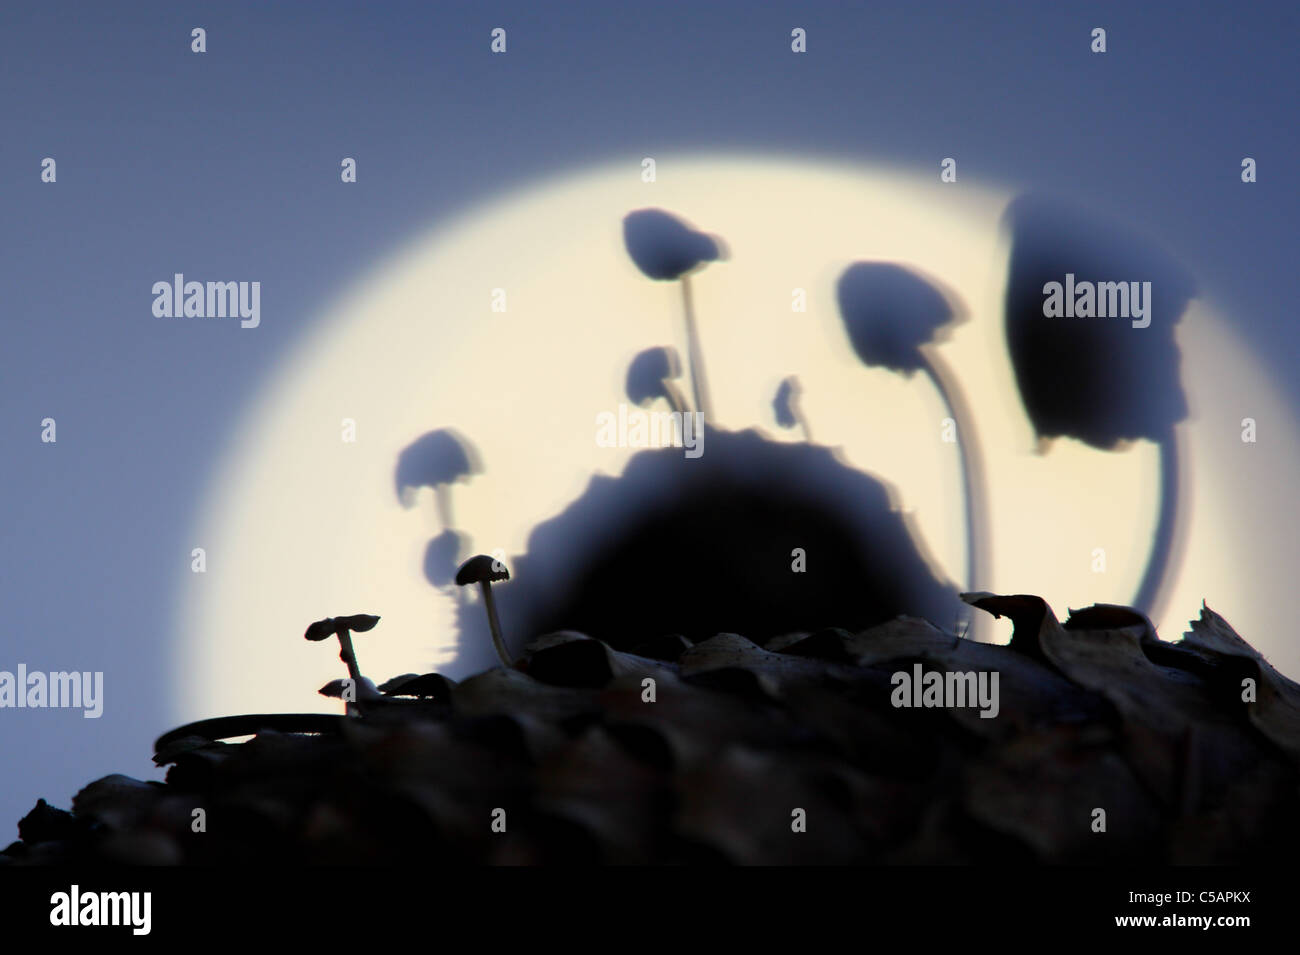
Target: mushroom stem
972,480
803,423
442,499
676,400
695,354
796,410
349,657
1162,563
495,623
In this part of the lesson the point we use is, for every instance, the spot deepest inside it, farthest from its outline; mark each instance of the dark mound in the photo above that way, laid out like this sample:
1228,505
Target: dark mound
708,545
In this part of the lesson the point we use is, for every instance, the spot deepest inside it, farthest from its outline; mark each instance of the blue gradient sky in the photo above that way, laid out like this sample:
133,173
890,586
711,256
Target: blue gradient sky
225,166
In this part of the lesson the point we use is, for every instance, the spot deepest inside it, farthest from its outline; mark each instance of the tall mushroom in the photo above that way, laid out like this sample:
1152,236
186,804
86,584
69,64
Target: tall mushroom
438,459
1101,380
484,571
665,248
892,314
652,374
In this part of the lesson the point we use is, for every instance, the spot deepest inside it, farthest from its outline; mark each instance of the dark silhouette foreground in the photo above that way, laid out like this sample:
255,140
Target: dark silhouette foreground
1095,713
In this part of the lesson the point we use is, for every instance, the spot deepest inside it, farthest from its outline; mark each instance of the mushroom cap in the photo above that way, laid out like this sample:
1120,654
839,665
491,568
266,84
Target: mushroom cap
331,626
481,568
358,622
646,373
1098,380
664,247
435,458
321,630
783,403
889,312
334,688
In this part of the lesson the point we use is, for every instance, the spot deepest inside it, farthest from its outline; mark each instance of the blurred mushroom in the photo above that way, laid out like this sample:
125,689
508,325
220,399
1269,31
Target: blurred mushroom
1099,380
891,315
436,460
665,248
652,374
442,557
786,406
484,570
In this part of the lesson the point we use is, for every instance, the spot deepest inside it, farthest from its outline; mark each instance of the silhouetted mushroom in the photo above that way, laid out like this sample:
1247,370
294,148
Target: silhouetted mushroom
786,406
665,248
651,375
484,570
890,314
1099,380
342,628
436,460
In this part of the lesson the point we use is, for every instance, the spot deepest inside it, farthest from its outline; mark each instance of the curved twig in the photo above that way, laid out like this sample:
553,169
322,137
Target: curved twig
248,724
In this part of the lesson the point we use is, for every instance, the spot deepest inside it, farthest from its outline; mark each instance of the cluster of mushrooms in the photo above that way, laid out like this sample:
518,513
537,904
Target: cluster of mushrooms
482,569
892,316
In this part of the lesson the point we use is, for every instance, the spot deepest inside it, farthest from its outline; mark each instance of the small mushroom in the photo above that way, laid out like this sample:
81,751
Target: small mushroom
337,689
666,249
436,460
484,570
342,628
651,375
786,406
893,315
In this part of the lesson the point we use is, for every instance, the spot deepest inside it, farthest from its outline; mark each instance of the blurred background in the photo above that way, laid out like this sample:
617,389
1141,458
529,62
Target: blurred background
225,166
